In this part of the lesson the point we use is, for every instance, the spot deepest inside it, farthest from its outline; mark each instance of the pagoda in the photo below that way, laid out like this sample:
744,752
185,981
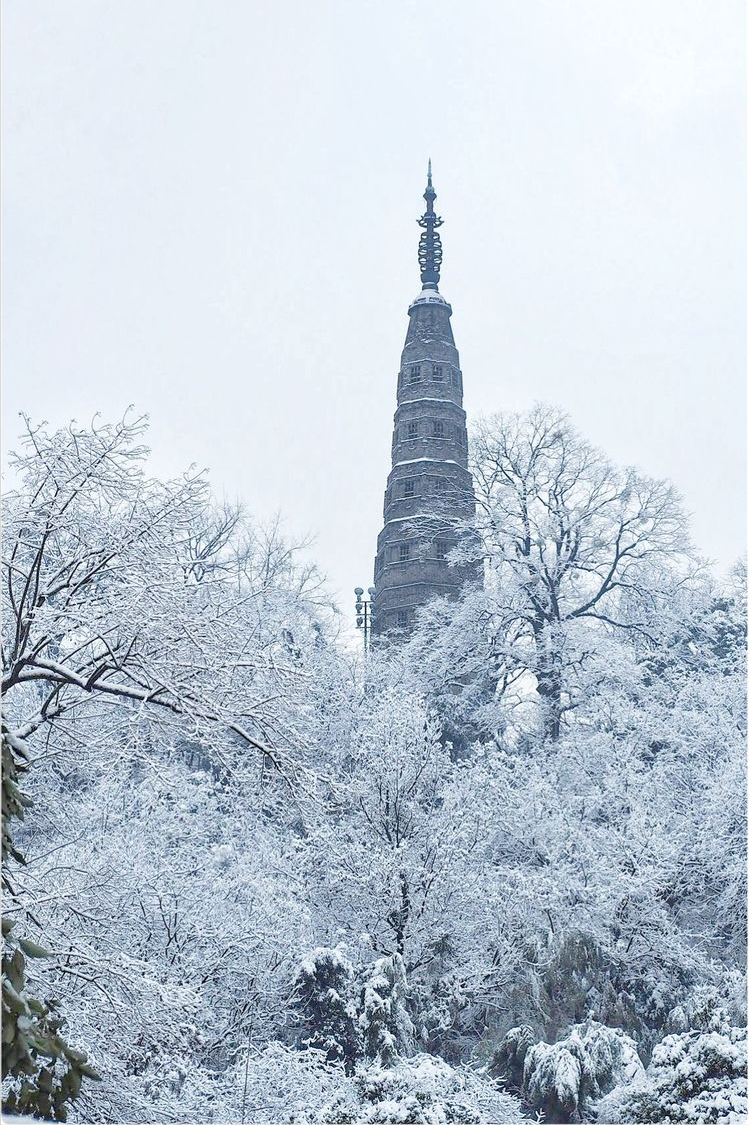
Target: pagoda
429,496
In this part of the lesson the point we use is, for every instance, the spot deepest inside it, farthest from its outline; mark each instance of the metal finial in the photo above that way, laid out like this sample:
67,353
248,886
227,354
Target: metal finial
430,243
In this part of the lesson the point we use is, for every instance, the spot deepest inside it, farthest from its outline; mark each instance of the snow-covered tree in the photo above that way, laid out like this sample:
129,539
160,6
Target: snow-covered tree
41,1072
387,1031
397,863
422,1090
565,1080
573,547
106,601
173,712
326,1003
694,1076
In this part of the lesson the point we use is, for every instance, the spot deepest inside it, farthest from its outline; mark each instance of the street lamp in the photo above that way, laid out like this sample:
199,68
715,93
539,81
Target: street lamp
365,613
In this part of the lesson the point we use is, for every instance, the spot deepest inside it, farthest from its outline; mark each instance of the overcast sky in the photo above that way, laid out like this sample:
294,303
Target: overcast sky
209,213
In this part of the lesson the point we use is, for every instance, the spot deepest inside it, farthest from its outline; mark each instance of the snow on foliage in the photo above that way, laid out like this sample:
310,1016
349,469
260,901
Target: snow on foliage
529,815
279,1085
422,1090
386,1028
326,1006
563,1080
698,1076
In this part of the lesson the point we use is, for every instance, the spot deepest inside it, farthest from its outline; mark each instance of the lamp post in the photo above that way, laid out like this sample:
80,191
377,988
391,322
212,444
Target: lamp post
365,613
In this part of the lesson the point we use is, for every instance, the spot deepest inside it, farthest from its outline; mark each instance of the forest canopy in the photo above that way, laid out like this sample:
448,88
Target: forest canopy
495,868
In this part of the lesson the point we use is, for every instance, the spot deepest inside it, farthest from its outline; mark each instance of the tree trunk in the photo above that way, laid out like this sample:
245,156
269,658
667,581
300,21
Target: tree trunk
549,679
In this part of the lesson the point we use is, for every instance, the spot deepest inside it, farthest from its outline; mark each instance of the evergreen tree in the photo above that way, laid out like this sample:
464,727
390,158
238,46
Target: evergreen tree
565,1080
45,1072
385,1023
324,990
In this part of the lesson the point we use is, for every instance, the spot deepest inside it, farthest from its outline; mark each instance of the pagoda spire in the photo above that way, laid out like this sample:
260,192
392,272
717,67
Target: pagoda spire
430,243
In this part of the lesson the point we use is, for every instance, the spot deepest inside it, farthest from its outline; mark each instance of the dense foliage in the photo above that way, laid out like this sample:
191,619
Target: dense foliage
47,1072
698,1075
496,869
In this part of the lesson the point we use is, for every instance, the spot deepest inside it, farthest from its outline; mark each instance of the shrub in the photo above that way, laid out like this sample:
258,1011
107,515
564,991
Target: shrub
509,1058
564,1080
694,1076
423,1090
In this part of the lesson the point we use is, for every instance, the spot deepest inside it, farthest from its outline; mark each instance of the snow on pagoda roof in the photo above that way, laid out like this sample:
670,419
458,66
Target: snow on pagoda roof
429,297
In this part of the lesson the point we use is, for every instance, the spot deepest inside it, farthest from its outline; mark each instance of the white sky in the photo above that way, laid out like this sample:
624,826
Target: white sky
209,213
